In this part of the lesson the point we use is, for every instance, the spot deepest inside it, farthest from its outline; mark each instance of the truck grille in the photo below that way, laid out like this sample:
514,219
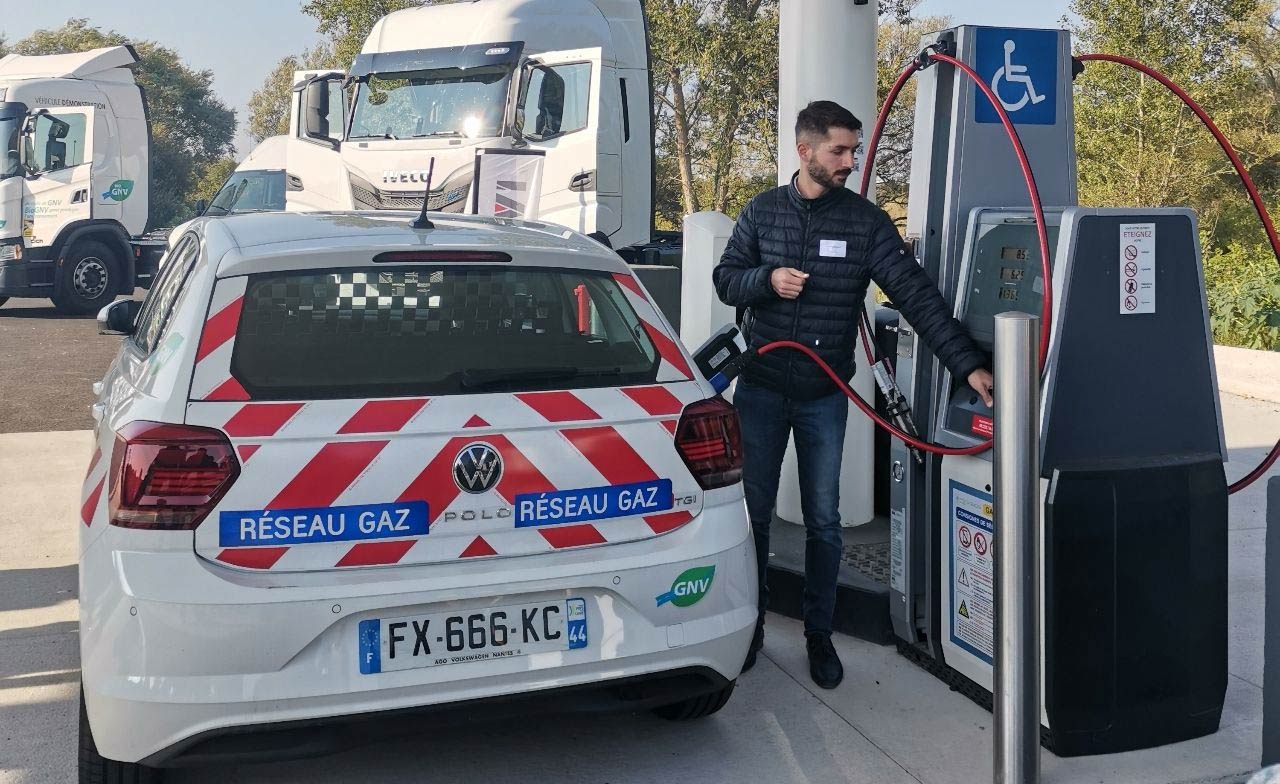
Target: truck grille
370,198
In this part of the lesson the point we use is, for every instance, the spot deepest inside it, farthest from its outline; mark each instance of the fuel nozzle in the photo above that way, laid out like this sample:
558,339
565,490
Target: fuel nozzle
896,405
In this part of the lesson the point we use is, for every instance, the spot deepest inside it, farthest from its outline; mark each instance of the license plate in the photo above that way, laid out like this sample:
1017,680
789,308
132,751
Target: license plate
431,640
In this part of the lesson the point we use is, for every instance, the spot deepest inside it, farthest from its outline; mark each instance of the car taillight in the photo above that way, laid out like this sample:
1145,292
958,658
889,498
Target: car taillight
168,477
709,439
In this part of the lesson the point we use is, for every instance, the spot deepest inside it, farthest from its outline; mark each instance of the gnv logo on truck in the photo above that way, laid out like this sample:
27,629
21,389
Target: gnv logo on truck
119,190
689,588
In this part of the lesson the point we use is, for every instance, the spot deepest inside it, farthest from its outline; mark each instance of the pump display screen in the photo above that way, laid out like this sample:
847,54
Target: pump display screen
1003,275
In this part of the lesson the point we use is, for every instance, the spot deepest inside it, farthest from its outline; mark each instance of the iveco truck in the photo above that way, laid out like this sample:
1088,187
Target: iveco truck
74,179
564,79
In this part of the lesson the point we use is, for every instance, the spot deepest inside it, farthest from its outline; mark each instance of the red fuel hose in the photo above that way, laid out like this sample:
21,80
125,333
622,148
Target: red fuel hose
1254,196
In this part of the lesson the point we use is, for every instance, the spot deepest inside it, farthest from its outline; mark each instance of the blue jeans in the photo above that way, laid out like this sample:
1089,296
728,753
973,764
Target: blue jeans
767,419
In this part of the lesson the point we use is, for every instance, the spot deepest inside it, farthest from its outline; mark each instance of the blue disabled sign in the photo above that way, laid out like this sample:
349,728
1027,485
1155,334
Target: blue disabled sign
1020,66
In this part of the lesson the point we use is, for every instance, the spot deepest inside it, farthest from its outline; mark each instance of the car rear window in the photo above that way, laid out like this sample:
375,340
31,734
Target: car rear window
437,330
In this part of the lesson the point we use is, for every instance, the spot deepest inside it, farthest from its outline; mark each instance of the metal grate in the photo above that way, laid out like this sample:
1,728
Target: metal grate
872,559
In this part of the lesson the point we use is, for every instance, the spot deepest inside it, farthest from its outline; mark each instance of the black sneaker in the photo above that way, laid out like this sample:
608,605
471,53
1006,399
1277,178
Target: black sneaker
757,642
824,663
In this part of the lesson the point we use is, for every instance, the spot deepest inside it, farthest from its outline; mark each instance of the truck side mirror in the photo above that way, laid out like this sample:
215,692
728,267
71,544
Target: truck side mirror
316,111
118,318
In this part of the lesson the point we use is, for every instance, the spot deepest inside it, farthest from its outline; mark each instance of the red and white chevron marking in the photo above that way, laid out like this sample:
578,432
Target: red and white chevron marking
212,378
94,487
349,452
675,367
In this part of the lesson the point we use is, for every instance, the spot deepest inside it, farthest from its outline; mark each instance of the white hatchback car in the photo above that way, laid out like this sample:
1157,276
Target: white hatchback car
345,468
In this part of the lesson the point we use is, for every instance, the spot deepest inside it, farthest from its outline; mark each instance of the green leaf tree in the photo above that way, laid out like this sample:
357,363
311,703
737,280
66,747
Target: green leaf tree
191,128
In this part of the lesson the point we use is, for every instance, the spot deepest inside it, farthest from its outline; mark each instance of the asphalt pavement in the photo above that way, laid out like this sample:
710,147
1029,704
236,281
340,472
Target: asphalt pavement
888,722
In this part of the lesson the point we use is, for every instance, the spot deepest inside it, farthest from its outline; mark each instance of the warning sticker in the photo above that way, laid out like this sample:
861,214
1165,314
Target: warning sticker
898,550
1137,268
972,535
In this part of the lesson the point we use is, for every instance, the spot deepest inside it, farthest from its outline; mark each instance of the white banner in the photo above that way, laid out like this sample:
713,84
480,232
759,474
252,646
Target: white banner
508,183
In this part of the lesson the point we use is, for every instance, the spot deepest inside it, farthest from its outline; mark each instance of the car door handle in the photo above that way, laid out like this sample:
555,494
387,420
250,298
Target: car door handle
586,181
97,411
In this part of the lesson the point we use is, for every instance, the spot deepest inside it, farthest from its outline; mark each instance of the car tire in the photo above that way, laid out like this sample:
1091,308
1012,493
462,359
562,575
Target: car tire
86,279
96,769
697,707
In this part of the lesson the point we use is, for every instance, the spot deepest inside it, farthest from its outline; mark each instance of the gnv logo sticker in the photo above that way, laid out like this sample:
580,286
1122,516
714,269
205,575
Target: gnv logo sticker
119,190
689,588
477,468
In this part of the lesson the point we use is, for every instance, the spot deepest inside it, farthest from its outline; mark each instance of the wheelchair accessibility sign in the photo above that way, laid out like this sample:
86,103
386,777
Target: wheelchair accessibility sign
1021,67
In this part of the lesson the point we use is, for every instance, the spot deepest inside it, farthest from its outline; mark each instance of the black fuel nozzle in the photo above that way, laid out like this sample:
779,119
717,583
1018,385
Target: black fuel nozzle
925,58
896,405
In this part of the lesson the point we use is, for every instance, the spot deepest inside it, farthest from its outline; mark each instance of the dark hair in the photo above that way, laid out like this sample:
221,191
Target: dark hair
821,116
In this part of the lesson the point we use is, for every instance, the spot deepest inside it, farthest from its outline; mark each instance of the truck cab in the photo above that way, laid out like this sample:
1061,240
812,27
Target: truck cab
74,178
568,81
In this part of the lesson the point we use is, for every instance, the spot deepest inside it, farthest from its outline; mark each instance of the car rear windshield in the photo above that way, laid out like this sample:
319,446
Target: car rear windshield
437,330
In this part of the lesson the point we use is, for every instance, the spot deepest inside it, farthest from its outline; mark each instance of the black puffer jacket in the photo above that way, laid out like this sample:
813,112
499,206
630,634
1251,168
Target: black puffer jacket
843,241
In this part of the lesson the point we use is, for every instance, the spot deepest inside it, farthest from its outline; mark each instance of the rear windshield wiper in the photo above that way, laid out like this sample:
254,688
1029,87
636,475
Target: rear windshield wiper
479,379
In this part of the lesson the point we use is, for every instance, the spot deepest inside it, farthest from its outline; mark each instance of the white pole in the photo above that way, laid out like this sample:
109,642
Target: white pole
827,51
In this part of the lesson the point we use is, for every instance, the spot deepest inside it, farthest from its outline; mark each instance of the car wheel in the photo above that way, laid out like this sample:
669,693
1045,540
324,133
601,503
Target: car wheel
697,707
87,279
96,769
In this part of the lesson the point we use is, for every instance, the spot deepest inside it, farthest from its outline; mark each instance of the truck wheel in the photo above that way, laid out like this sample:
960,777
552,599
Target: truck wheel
697,707
87,279
96,769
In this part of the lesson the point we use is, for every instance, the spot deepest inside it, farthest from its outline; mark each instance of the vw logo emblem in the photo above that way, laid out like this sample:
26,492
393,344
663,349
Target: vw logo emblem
477,468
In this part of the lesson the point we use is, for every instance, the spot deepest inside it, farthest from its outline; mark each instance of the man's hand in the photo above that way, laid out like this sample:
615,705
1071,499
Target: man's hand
788,282
983,384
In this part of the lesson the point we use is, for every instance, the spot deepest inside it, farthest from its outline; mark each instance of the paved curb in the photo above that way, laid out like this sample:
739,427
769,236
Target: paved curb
1248,373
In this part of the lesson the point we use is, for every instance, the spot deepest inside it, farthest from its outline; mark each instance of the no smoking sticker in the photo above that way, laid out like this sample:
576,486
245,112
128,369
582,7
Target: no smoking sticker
1137,268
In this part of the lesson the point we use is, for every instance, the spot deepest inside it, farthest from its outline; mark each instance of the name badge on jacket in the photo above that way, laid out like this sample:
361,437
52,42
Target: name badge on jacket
834,248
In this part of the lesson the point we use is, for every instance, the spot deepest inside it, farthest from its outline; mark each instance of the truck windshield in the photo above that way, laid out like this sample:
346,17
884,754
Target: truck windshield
11,137
445,102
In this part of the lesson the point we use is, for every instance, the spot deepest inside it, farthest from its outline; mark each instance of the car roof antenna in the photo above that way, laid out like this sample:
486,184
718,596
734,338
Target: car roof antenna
422,221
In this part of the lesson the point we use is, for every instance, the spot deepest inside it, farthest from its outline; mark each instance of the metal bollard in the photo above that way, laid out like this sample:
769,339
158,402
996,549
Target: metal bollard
1271,629
1017,556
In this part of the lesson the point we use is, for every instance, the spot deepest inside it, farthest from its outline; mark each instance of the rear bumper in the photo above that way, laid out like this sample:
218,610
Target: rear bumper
175,651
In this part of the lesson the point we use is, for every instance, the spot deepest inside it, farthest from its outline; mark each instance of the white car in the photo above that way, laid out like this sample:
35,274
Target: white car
346,467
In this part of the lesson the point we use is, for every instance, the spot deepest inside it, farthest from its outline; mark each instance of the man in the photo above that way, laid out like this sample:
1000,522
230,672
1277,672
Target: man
799,262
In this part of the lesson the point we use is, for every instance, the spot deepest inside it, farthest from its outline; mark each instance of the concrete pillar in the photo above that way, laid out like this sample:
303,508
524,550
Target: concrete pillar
827,50
702,313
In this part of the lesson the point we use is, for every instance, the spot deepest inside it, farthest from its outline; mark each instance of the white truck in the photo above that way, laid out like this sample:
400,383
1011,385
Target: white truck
74,179
568,79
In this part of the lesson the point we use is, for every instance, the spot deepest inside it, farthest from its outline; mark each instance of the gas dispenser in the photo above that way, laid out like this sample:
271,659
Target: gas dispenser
1134,492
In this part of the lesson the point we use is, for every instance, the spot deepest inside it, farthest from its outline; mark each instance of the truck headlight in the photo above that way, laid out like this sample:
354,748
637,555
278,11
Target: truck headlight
11,252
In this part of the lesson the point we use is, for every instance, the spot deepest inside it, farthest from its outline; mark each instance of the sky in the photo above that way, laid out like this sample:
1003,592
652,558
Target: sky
240,41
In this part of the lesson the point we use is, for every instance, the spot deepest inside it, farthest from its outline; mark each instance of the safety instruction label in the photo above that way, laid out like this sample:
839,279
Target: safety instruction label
1137,268
898,550
972,534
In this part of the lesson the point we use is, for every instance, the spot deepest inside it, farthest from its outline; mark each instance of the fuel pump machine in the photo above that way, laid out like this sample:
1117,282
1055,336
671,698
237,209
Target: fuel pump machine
1134,492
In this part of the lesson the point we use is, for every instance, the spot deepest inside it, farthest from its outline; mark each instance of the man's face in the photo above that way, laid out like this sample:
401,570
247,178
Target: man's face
829,160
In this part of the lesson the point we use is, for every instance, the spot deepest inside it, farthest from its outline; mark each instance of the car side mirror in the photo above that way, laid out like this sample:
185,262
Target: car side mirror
200,206
119,317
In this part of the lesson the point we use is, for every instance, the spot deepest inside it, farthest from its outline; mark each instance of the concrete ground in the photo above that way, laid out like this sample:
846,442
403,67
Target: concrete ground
888,722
